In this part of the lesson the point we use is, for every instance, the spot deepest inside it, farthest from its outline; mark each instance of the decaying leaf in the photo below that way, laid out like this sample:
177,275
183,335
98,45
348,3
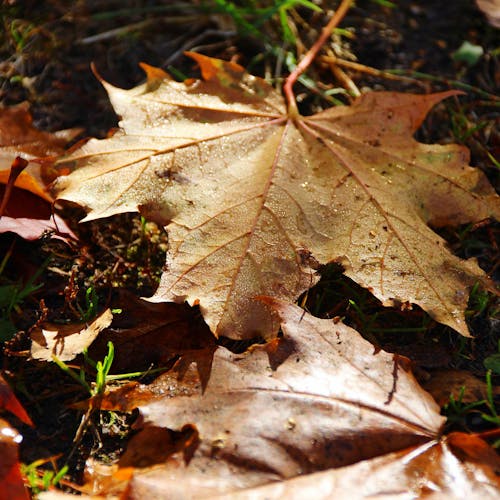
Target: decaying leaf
320,397
66,341
256,200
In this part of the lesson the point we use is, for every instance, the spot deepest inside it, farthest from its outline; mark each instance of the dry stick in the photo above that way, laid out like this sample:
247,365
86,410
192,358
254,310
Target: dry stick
401,75
341,76
332,59
310,56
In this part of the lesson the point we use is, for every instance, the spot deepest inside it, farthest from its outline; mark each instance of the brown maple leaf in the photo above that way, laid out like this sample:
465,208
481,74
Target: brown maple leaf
255,198
319,398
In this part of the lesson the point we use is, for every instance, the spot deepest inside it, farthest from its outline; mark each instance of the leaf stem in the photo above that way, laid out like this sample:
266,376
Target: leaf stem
18,165
310,55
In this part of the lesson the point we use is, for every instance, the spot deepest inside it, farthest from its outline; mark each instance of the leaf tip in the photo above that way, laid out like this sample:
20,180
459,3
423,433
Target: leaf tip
154,75
93,68
211,67
101,80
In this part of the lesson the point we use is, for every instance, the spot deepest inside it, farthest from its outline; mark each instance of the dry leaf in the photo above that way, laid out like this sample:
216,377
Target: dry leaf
256,200
19,136
10,403
491,9
318,398
456,467
145,333
446,382
28,211
11,480
30,215
66,341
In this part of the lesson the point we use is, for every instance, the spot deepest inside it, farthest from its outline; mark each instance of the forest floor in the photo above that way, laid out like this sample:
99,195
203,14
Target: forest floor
46,49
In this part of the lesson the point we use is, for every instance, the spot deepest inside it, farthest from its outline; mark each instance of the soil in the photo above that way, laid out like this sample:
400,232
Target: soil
46,51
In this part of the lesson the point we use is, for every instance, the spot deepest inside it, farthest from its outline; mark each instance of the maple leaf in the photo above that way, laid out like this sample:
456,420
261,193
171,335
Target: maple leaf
255,199
319,398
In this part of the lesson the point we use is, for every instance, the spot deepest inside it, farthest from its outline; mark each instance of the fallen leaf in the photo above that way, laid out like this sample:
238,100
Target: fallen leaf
320,397
11,480
19,136
445,382
441,470
66,341
256,200
10,403
491,9
28,209
145,333
30,216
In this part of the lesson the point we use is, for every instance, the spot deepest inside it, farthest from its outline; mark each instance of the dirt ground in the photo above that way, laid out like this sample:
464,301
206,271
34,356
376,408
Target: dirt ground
46,49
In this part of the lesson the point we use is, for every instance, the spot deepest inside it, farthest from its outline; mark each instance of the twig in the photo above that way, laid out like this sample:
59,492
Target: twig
341,76
192,43
310,56
130,28
361,68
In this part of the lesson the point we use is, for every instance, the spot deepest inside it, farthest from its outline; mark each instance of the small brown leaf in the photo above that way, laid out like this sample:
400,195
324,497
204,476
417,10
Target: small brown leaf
18,136
66,341
445,382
